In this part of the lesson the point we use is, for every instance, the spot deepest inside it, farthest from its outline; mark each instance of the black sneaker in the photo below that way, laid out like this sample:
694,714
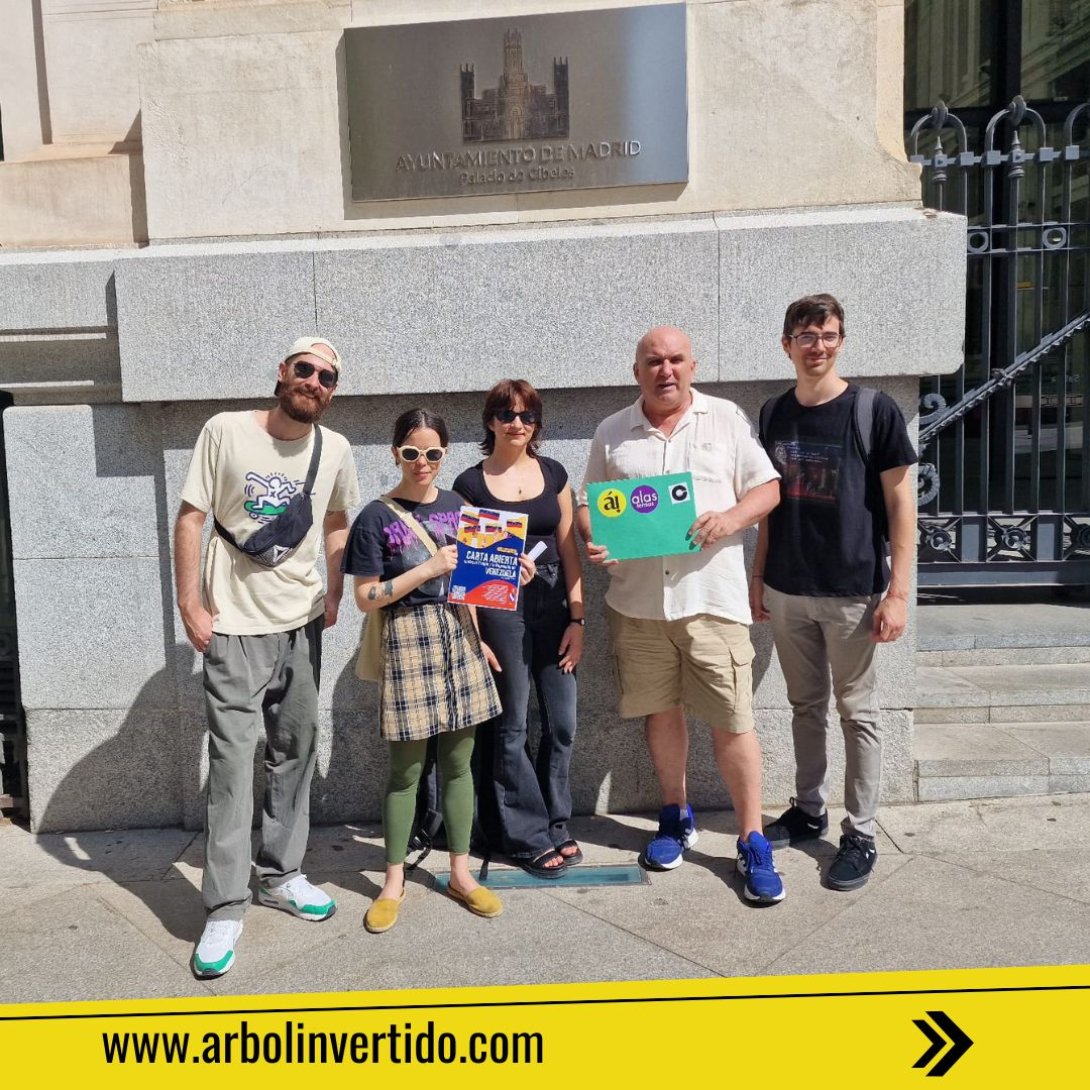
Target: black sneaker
853,863
795,825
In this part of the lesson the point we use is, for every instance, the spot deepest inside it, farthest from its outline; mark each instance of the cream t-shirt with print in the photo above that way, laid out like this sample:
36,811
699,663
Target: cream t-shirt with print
245,477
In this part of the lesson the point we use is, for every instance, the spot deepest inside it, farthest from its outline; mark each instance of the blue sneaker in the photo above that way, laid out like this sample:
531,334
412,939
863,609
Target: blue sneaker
676,833
763,884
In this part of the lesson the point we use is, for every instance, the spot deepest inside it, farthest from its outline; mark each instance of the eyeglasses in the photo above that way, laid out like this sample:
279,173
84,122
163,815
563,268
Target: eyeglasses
328,379
411,454
527,416
808,340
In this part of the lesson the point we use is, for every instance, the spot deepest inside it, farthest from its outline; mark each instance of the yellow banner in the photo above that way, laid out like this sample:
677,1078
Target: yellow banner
976,1028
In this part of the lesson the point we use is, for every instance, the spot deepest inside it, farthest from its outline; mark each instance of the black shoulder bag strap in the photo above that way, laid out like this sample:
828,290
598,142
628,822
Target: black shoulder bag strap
308,485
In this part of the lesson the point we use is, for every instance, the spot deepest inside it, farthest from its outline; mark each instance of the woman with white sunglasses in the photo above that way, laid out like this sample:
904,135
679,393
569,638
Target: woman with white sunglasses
435,676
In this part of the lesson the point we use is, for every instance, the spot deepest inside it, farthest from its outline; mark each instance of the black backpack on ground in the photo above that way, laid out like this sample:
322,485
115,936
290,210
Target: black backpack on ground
427,831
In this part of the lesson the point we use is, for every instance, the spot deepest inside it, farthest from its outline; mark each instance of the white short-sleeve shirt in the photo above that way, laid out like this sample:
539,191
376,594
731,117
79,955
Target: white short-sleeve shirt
716,442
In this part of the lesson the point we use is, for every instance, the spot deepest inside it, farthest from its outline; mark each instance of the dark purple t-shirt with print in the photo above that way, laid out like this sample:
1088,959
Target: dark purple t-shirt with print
380,543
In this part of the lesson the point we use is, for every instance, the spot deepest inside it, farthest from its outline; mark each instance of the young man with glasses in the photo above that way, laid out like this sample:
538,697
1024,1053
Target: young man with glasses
257,622
680,624
820,574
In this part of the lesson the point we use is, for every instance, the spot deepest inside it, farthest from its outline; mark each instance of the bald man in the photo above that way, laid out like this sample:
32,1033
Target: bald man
680,624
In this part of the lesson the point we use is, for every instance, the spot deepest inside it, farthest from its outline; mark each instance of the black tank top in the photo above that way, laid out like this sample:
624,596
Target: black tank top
543,510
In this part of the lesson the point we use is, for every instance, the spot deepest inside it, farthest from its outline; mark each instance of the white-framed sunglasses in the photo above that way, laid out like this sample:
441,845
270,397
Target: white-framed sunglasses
411,454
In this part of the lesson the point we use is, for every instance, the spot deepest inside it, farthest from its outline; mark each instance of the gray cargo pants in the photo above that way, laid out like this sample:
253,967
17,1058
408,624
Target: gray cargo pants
247,680
818,639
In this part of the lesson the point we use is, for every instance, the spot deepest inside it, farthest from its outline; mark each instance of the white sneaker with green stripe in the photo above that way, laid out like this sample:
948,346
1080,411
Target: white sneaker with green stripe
298,897
215,952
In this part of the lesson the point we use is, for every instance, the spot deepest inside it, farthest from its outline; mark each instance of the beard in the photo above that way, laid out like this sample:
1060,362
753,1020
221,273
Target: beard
302,407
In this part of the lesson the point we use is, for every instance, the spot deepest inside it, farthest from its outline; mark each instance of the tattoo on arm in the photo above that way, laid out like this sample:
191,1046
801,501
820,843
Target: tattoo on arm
387,591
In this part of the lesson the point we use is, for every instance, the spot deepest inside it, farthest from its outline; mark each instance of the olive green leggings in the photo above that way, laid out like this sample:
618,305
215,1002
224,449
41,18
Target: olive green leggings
399,807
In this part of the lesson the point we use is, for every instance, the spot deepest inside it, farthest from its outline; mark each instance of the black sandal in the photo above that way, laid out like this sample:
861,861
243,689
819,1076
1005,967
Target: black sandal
536,865
575,857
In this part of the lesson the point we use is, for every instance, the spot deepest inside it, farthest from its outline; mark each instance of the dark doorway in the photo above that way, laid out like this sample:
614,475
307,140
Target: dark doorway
13,777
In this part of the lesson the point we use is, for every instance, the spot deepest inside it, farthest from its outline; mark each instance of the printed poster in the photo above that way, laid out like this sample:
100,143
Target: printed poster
490,543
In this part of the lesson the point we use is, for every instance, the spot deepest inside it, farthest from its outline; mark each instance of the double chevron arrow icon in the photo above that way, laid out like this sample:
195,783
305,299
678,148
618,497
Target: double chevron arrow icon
960,1042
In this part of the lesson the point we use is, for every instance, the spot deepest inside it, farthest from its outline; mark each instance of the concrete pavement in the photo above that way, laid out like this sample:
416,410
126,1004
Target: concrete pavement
1000,882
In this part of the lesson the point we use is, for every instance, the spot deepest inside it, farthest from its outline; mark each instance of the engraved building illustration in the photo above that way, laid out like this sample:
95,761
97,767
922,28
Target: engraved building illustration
517,109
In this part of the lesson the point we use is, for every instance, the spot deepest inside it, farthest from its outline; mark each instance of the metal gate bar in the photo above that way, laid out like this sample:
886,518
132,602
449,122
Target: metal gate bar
999,440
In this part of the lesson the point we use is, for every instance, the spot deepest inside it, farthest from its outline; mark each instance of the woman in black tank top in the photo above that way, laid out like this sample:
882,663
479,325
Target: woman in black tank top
524,804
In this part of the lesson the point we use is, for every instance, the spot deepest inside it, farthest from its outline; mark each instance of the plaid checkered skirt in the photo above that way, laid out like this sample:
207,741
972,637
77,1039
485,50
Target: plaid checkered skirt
435,677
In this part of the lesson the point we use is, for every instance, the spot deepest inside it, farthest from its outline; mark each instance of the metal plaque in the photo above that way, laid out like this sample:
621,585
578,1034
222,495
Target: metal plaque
521,104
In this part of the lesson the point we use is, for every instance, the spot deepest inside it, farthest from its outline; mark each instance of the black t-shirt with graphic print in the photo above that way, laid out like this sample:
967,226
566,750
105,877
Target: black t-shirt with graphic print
380,543
827,536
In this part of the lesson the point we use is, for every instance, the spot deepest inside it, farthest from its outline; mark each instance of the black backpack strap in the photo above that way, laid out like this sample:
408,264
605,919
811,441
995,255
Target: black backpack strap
864,418
421,842
764,418
865,399
308,485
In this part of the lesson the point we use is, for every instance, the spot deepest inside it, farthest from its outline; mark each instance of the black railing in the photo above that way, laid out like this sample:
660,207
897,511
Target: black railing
1005,442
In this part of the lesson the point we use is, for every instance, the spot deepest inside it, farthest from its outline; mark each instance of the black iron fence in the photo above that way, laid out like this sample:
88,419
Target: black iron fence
1005,442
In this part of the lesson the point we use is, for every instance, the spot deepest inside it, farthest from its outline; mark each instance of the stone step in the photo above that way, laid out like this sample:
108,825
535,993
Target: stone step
1005,693
1005,656
1006,621
1003,699
955,760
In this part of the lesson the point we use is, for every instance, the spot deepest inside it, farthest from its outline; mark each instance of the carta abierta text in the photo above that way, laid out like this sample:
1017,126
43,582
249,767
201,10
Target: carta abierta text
498,565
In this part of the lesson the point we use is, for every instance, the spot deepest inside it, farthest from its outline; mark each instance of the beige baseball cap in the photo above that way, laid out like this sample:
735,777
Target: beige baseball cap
316,346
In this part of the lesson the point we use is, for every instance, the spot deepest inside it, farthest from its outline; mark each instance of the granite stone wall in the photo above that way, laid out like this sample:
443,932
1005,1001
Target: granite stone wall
173,334
112,688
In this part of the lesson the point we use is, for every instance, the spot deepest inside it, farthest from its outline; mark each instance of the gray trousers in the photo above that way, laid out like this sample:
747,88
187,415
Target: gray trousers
250,681
819,638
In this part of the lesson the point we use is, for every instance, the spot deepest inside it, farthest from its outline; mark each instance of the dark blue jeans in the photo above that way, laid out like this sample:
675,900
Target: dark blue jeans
524,804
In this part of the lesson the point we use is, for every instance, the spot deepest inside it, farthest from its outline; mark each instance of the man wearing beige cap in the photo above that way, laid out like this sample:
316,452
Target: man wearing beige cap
275,482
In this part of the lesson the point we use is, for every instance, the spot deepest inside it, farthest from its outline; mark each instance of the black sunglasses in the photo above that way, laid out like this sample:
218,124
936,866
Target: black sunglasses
527,416
328,379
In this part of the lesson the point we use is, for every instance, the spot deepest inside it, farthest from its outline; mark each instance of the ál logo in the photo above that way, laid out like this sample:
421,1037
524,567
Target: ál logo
611,503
